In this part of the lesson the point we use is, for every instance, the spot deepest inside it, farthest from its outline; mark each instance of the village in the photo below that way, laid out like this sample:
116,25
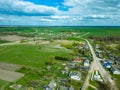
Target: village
60,72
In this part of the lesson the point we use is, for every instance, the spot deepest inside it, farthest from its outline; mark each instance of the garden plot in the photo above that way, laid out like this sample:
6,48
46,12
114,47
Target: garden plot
7,66
12,37
10,76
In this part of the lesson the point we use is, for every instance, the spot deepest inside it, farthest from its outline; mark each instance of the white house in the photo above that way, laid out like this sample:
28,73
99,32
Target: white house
115,70
52,84
86,63
75,75
97,46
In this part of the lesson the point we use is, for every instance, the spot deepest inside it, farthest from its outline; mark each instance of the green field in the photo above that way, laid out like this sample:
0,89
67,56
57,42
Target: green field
2,83
117,80
33,57
29,55
94,31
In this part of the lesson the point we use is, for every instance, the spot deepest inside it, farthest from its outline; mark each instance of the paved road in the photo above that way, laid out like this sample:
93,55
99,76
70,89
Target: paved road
97,66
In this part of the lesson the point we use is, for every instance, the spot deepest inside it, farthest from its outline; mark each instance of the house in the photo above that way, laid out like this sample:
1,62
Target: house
77,59
65,70
52,84
71,88
71,64
97,46
47,88
107,64
86,63
16,86
114,70
75,75
48,68
99,51
99,55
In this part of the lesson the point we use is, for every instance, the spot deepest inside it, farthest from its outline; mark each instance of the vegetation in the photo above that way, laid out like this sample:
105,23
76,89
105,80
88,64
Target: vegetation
93,31
29,55
90,88
107,38
117,80
2,83
36,58
3,41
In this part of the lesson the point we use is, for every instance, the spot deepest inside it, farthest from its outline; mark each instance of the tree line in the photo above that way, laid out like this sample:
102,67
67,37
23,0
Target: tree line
105,38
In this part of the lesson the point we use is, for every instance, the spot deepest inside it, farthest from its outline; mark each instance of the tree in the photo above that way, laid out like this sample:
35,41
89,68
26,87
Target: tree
51,61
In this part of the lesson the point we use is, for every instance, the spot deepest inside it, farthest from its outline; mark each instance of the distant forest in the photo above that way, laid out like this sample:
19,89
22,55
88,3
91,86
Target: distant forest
106,38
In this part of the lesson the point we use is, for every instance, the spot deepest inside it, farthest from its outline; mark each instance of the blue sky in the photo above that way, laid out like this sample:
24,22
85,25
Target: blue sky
60,12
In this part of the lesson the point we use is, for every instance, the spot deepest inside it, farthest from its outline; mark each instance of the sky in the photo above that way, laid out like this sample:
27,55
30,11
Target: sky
60,12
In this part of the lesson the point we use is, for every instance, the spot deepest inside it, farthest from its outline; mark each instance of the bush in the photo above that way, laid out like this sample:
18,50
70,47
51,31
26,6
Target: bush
34,83
61,58
68,46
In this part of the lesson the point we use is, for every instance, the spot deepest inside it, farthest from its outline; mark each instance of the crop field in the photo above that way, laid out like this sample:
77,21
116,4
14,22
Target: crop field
103,31
29,55
2,83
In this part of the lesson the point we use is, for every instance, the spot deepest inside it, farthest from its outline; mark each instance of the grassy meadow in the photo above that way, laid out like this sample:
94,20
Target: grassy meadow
29,55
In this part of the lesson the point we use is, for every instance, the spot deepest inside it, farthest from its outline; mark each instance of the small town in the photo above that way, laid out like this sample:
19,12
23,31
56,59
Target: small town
79,65
59,44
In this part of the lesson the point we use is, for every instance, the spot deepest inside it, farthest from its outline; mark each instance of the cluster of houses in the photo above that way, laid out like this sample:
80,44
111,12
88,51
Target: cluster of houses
98,51
113,58
53,86
52,35
112,68
70,72
113,62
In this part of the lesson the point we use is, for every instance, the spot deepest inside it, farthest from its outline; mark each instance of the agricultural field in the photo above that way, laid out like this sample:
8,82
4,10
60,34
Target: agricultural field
30,55
103,31
32,51
32,59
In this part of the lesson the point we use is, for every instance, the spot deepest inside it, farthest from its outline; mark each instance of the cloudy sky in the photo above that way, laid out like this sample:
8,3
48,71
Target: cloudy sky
60,12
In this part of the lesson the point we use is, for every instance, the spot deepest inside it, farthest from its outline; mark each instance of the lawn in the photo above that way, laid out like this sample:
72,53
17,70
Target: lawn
2,84
117,80
30,55
90,88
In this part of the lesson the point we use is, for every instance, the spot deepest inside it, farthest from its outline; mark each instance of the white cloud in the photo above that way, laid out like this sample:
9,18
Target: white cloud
25,7
88,7
59,17
47,20
1,18
80,12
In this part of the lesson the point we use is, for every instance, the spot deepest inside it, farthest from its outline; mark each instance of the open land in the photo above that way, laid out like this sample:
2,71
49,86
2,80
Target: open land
33,56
